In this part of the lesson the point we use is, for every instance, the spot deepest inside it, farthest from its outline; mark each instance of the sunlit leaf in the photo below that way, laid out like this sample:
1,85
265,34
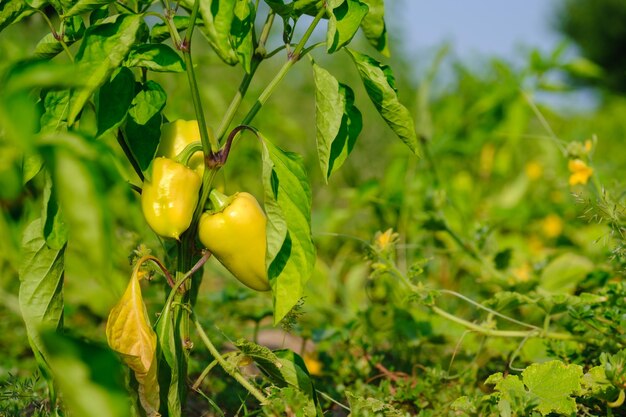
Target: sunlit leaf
82,6
129,333
217,17
547,387
242,32
380,86
373,26
345,18
337,131
553,383
102,50
49,46
284,368
12,11
290,251
155,57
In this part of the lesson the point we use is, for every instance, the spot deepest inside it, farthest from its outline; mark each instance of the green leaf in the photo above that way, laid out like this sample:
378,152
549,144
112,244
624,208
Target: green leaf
79,183
290,251
49,46
370,407
56,106
283,367
41,284
103,49
546,387
217,16
380,86
31,166
12,11
513,395
553,383
90,377
82,6
24,76
53,225
373,26
338,121
98,15
295,9
170,358
155,57
41,293
242,32
286,11
143,126
160,32
345,18
114,99
563,274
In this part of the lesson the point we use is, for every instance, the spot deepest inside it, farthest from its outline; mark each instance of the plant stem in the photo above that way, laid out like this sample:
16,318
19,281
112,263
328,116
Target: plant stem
293,58
209,143
501,333
494,312
259,55
236,101
129,155
225,365
203,375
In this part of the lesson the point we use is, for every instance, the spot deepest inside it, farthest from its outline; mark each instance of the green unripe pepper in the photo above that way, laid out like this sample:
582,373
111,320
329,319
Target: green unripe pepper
234,232
169,199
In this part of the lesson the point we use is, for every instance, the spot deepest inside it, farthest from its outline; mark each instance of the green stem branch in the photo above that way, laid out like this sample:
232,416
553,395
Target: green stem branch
209,143
228,368
121,140
501,333
293,58
236,101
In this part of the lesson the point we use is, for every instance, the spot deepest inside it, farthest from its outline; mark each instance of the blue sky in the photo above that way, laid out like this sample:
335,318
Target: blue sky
476,27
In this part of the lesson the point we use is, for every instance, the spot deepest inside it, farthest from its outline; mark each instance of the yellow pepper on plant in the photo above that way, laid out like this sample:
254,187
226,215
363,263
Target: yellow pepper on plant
169,198
234,232
176,136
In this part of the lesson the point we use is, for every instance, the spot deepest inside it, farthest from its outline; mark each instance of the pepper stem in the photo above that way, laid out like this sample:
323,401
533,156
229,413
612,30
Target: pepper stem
219,201
187,152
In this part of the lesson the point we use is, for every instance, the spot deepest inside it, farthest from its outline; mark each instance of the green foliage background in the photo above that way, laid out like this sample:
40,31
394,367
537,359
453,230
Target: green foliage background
487,213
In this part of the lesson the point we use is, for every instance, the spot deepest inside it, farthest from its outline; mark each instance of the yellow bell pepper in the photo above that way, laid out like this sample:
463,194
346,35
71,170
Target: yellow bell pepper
169,199
175,136
235,234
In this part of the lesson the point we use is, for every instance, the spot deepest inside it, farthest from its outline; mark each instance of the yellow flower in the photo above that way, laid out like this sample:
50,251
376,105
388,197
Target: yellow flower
313,365
384,239
580,172
588,145
552,226
534,170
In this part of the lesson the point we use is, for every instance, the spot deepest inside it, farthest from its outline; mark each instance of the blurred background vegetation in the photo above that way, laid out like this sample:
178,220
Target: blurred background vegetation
494,171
